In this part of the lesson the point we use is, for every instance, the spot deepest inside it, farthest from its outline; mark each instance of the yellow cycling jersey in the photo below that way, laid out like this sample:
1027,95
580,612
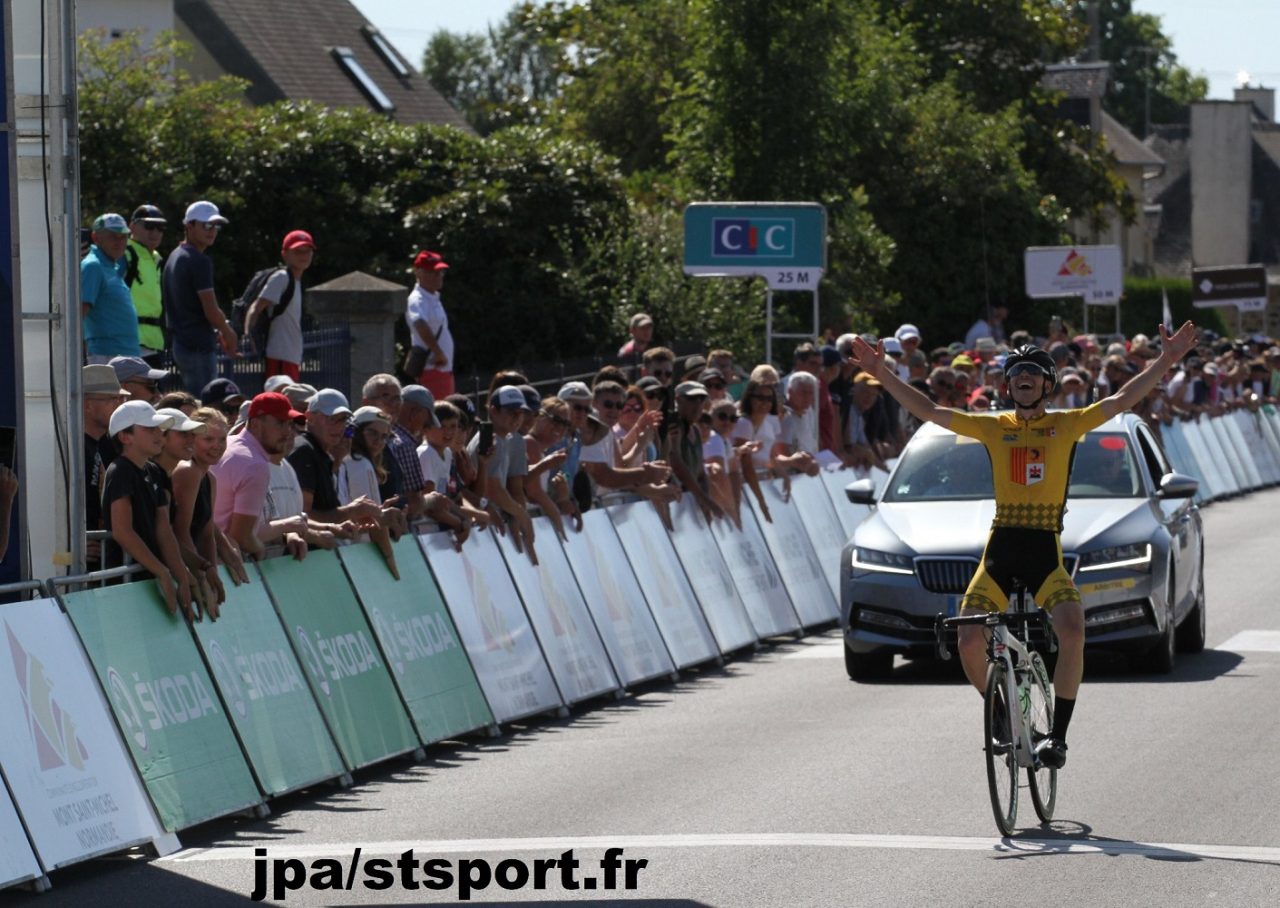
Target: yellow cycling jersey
1030,461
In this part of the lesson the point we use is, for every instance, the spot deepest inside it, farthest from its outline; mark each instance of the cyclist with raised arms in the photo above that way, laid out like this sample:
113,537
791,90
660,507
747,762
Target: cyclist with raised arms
1030,452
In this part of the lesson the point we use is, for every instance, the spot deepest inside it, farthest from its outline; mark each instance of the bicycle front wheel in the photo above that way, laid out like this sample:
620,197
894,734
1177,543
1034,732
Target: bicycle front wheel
1002,759
1043,781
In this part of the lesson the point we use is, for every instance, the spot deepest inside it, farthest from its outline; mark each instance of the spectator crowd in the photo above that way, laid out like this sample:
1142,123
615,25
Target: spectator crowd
194,478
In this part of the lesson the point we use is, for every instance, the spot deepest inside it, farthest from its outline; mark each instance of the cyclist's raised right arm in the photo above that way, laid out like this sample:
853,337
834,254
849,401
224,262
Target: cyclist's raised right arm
918,405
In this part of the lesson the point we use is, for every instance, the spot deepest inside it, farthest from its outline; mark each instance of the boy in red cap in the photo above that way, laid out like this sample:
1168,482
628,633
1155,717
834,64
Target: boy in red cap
281,302
429,324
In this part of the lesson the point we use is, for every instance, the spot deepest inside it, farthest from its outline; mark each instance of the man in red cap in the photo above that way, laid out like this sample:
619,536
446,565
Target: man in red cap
243,475
281,304
429,325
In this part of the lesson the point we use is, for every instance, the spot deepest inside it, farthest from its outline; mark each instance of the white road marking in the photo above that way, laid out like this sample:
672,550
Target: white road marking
1253,642
558,844
821,648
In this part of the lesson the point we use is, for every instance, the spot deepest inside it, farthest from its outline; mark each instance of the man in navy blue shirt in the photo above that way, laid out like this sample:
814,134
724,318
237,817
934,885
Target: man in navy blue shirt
196,324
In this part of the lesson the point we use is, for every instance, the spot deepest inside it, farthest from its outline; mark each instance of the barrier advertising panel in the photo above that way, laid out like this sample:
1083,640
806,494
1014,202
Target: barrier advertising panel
62,754
848,513
794,556
709,576
424,652
559,617
165,703
17,863
756,576
818,517
487,612
268,699
671,600
613,596
340,657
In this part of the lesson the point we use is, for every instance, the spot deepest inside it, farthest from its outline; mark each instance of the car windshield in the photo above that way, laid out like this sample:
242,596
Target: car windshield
952,468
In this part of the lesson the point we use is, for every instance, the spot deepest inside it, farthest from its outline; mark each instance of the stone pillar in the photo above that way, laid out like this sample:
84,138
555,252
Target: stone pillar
370,306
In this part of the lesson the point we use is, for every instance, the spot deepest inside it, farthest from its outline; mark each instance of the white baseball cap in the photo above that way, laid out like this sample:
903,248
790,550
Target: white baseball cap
204,212
137,413
575,390
277,383
366,415
181,421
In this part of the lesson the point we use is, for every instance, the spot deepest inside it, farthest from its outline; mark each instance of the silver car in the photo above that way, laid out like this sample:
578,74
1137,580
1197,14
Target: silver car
1131,540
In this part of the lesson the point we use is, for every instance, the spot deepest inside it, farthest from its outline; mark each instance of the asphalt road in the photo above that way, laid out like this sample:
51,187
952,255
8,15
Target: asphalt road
775,781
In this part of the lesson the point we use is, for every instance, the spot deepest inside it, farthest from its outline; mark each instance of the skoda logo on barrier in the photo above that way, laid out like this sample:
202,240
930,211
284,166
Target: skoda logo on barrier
382,627
224,670
314,664
126,709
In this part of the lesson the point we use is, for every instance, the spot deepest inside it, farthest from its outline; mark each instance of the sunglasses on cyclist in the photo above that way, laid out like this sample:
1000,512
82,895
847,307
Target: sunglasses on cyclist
1025,369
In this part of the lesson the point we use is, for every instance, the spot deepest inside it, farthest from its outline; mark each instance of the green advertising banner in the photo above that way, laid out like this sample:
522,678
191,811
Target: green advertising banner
427,660
266,692
165,702
336,647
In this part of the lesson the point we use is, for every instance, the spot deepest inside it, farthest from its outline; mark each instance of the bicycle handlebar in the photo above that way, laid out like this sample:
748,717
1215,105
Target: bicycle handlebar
941,622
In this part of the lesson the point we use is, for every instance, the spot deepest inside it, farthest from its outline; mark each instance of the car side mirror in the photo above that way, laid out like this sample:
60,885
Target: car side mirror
861,491
1178,485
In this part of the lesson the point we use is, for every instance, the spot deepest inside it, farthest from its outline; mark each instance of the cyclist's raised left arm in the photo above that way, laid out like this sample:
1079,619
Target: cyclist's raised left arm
1172,349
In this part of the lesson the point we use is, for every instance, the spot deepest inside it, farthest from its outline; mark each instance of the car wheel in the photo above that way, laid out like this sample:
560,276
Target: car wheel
867,666
1191,631
1160,658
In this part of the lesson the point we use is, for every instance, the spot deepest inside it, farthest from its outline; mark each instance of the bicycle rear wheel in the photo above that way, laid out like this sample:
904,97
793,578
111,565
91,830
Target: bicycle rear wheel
1002,760
1043,781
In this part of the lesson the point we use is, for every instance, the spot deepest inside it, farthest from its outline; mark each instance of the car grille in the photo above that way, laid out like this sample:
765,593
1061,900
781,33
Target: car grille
952,575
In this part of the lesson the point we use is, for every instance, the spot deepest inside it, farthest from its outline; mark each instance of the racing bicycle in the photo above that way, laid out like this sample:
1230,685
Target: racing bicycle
1018,706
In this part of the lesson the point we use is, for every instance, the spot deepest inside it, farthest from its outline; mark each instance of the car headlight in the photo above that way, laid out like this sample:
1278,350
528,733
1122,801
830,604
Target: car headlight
1135,557
885,562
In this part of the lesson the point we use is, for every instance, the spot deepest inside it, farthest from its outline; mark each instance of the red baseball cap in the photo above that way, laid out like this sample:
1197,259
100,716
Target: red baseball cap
430,261
269,403
295,239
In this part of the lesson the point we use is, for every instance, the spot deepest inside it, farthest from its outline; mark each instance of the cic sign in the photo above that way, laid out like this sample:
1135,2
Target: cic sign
785,243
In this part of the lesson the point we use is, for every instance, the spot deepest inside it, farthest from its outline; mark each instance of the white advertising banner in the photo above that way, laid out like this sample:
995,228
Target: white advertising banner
1094,273
17,862
61,752
671,599
848,513
818,517
709,576
794,556
560,617
614,598
755,576
486,609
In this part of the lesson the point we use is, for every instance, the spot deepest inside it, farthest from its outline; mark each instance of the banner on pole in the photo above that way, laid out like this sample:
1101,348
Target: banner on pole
487,612
613,596
268,699
62,755
560,617
820,522
755,575
671,599
165,703
709,576
424,652
339,653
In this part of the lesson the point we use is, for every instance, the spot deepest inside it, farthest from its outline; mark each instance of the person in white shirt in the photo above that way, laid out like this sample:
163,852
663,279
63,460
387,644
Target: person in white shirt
429,323
992,326
362,472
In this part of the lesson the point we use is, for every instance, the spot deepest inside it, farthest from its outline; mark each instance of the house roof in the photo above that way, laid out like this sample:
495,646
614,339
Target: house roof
1268,140
1077,80
1126,147
285,49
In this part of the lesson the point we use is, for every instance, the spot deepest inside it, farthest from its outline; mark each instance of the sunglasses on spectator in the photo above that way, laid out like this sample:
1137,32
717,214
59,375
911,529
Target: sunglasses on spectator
633,406
210,226
661,373
146,225
580,408
145,383
612,404
767,398
723,417
714,385
555,420
652,395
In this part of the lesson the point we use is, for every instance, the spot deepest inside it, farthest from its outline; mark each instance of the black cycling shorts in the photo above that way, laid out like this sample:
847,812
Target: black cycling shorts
1019,555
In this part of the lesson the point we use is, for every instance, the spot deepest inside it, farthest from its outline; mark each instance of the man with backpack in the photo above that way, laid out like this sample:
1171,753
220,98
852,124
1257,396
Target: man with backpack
142,275
274,317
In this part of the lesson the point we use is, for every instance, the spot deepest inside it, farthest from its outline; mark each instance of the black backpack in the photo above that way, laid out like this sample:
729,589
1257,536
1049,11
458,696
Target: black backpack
240,308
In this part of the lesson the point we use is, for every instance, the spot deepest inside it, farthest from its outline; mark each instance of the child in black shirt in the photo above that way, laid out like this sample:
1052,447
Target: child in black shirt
135,502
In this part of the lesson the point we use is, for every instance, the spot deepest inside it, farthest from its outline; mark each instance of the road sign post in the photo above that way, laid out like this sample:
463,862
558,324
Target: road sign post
1093,273
785,243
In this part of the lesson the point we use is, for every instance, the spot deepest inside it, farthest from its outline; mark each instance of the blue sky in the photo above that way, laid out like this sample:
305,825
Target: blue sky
1217,39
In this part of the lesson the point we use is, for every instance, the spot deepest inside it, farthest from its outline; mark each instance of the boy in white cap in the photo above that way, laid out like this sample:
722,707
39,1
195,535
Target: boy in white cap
196,324
135,502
